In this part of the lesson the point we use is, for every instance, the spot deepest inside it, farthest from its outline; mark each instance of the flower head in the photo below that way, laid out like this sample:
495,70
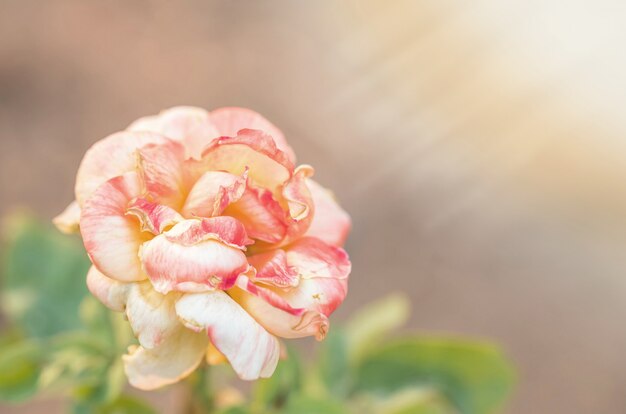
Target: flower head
201,229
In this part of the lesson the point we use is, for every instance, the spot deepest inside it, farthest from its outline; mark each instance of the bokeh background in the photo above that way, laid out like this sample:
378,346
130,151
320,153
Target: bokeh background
479,146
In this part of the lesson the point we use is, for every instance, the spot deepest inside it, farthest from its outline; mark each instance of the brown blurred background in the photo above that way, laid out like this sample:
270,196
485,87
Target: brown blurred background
479,147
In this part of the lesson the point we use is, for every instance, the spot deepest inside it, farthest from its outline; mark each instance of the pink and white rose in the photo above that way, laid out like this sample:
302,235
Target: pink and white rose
202,230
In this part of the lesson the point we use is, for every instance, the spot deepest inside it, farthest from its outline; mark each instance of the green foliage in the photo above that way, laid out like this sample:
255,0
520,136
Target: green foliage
20,366
333,364
474,376
234,410
43,277
300,404
430,403
362,369
61,340
274,392
374,322
124,404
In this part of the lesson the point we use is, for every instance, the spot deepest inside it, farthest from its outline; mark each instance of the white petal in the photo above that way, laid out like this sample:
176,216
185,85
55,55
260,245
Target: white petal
67,222
152,315
110,292
175,358
250,349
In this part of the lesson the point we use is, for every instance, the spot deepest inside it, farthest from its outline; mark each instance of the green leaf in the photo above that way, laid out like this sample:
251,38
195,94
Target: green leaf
373,322
127,405
333,364
107,327
73,360
43,276
124,404
20,365
234,410
273,392
84,363
430,407
95,317
299,404
109,386
416,401
476,377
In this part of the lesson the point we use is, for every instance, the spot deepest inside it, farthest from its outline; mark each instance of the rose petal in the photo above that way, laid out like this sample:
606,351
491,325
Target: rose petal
153,217
268,167
186,124
110,292
299,203
196,127
161,168
312,258
112,239
229,121
330,222
275,314
225,229
177,356
301,310
260,213
272,268
196,255
111,157
212,193
297,195
152,316
68,221
323,271
322,295
250,349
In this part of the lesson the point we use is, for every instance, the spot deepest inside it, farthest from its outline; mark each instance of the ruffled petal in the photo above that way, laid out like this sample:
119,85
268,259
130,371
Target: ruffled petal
229,121
112,238
161,168
212,193
298,202
268,167
324,272
196,255
68,221
272,269
301,310
110,292
177,356
225,229
153,217
322,295
111,157
189,125
196,127
152,316
297,194
313,258
330,222
250,349
261,215
275,313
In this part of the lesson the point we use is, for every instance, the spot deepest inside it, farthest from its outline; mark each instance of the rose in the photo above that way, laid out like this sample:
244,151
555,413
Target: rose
201,230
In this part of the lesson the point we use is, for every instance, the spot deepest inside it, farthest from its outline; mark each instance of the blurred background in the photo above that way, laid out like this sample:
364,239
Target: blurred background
479,147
